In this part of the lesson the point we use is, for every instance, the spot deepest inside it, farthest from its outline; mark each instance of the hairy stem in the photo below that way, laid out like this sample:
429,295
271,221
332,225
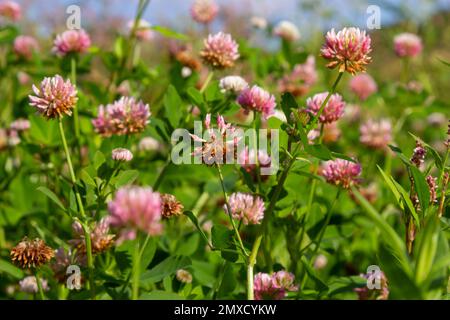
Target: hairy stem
87,235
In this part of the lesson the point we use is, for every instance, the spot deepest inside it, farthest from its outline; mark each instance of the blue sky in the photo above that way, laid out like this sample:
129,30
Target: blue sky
175,13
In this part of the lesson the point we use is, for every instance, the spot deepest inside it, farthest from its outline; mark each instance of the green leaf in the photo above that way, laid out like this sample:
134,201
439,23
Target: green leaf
400,154
287,103
407,201
319,151
391,185
221,237
173,106
99,159
160,295
401,284
421,187
319,284
52,196
345,284
165,268
389,235
126,177
86,177
12,270
44,131
148,253
426,249
168,33
196,97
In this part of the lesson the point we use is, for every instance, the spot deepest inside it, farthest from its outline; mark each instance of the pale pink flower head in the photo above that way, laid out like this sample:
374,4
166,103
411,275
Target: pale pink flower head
258,100
25,46
204,11
302,78
125,116
218,145
333,111
71,41
376,134
341,172
136,208
143,30
20,125
264,289
121,154
407,45
287,31
220,51
348,50
29,285
10,10
246,207
232,84
24,78
273,287
284,280
54,98
184,276
363,86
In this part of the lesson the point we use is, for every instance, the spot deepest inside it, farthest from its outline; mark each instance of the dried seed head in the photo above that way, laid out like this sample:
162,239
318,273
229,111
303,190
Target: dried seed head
31,253
171,207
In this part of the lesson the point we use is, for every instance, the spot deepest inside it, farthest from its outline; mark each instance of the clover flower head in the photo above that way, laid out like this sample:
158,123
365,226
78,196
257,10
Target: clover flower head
125,116
246,207
204,11
333,110
407,45
71,41
341,172
220,51
258,100
25,46
376,134
348,50
287,31
136,208
54,98
363,86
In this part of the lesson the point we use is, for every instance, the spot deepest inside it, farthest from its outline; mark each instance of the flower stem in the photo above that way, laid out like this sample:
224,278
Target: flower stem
87,234
73,78
39,285
236,231
324,103
136,270
260,236
207,81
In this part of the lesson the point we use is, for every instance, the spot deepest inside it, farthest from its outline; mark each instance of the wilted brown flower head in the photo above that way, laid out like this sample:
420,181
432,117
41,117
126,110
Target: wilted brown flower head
100,237
171,206
31,253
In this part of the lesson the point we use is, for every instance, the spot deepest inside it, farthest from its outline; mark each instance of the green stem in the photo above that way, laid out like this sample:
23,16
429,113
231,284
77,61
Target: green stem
161,175
136,270
73,78
324,103
207,81
39,285
260,236
236,231
87,235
